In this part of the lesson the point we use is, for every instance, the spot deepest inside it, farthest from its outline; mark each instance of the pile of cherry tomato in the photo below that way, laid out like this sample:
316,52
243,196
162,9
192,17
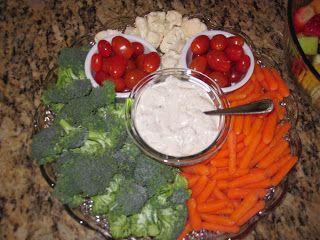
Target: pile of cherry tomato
221,58
122,62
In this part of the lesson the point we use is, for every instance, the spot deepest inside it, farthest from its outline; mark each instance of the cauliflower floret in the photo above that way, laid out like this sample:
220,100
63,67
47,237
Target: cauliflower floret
173,40
104,34
132,31
142,26
192,26
170,60
154,38
156,21
173,18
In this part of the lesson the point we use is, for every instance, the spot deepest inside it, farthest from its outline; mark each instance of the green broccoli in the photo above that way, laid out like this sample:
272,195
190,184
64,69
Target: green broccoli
74,137
119,226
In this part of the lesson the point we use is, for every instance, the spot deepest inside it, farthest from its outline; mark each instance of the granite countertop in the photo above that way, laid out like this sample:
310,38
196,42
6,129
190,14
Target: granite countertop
32,34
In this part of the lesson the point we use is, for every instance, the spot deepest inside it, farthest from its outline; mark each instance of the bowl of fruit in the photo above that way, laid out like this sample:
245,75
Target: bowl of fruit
303,46
223,56
123,59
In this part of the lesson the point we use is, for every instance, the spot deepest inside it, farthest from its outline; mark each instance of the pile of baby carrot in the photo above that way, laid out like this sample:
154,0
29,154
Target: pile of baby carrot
229,188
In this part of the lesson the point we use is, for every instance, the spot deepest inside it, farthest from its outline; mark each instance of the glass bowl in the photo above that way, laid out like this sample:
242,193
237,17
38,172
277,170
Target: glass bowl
44,118
306,76
200,80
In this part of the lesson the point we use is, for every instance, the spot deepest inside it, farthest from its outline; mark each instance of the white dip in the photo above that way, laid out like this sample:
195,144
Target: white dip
170,119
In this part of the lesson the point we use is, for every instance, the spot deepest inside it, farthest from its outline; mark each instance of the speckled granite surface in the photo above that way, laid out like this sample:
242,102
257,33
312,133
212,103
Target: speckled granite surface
33,32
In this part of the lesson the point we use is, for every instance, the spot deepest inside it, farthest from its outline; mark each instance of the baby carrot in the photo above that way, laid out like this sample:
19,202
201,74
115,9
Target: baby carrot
247,125
257,124
212,171
185,231
251,98
201,184
194,217
253,211
258,73
220,228
199,168
232,143
192,180
274,167
238,123
211,206
247,179
219,194
244,163
204,195
239,193
276,179
222,184
236,96
225,211
266,183
271,81
282,87
212,218
269,128
219,162
248,202
274,154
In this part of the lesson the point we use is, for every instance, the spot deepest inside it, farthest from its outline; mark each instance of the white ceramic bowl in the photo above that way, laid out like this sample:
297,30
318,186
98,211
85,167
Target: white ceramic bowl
186,57
87,65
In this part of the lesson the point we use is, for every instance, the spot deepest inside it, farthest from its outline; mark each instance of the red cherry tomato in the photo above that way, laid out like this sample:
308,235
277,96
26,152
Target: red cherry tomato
220,79
234,76
96,62
243,64
234,52
195,55
100,77
122,46
199,64
120,86
117,66
106,64
138,48
140,61
218,42
235,40
130,65
218,61
200,44
151,62
133,77
104,48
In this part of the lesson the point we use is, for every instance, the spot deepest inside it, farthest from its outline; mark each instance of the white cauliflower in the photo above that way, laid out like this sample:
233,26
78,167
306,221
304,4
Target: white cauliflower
142,26
104,34
173,40
132,31
192,26
173,18
154,38
170,60
156,21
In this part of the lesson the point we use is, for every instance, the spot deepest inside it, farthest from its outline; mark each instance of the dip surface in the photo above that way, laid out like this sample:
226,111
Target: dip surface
169,117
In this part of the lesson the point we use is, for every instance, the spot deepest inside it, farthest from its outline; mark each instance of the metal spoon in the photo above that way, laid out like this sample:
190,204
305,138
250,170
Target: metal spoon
258,107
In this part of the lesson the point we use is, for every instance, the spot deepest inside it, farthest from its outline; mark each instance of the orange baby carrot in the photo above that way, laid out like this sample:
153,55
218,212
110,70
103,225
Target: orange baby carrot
220,162
232,143
212,171
194,217
257,124
211,206
258,73
192,180
225,211
253,211
274,154
247,125
247,179
238,123
283,171
250,98
201,184
219,194
212,218
220,228
199,168
248,202
271,81
185,231
282,87
221,154
222,174
222,184
236,96
269,128
266,183
274,167
239,193
204,195
244,163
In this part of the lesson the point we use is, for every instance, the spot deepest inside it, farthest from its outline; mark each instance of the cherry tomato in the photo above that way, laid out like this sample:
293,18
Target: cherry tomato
140,61
104,48
218,42
100,77
122,46
218,61
234,52
243,64
196,55
106,64
117,66
120,86
130,65
235,40
234,76
133,77
151,62
220,78
138,48
199,64
200,44
96,62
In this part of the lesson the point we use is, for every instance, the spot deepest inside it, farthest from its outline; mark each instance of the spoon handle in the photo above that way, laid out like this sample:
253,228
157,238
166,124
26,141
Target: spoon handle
258,107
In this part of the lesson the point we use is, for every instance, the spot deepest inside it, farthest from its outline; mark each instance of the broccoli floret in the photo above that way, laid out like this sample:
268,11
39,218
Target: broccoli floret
129,199
103,96
76,201
74,137
119,226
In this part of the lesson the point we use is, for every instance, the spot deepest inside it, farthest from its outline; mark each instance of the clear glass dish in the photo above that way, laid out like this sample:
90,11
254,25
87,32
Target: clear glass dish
44,118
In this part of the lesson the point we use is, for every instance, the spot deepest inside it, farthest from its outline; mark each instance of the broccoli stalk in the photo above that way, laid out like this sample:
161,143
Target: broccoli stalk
74,137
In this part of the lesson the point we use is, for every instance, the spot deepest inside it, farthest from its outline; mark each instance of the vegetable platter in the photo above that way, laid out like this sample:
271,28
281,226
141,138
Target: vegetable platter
184,214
